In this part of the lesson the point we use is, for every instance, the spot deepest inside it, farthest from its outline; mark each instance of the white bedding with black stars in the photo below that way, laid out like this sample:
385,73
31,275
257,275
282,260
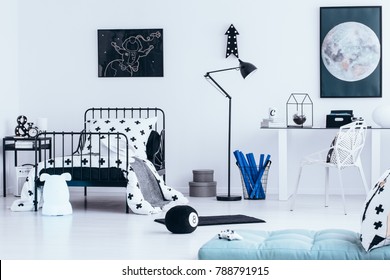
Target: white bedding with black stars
135,199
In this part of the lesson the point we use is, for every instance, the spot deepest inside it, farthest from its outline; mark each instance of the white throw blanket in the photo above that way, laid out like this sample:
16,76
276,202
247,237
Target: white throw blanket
135,198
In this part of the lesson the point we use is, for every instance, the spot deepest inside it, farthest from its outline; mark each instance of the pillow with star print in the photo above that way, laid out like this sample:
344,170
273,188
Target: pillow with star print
375,227
137,131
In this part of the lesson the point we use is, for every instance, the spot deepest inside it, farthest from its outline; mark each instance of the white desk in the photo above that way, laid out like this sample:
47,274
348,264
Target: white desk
283,161
375,155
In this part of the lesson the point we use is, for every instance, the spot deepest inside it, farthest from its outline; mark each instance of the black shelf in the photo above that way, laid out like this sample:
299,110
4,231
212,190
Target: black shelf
9,145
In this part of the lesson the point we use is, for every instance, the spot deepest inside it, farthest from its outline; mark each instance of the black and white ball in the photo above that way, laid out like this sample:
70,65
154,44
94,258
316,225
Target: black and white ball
181,219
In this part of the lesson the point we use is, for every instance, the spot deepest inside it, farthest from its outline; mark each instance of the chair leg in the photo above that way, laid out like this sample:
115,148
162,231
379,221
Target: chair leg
296,190
342,191
326,186
363,178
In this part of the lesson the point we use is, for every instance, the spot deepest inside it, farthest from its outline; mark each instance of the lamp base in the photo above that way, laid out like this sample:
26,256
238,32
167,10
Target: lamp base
228,197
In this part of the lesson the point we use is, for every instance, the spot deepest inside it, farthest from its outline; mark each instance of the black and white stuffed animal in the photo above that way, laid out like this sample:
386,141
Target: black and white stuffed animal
229,235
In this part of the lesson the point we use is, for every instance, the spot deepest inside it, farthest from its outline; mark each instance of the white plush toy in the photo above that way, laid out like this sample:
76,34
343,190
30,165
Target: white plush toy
56,194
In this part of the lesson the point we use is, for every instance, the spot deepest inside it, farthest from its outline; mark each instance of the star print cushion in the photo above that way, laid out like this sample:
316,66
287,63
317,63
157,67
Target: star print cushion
375,227
137,131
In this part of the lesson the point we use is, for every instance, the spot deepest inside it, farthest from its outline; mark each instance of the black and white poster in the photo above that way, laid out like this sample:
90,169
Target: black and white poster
130,53
350,51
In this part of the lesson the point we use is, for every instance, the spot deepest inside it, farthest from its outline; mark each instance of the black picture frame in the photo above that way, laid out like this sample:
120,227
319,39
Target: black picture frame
351,52
130,53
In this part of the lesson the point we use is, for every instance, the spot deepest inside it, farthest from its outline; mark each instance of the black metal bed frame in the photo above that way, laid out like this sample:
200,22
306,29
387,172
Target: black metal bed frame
70,144
158,158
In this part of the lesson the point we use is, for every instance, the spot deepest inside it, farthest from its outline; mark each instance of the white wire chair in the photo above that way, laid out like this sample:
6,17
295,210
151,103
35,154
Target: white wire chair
344,152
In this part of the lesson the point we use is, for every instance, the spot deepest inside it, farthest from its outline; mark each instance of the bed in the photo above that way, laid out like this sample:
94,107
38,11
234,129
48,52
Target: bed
118,147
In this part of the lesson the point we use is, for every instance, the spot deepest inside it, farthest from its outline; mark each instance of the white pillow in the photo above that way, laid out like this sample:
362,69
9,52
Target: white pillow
375,227
137,131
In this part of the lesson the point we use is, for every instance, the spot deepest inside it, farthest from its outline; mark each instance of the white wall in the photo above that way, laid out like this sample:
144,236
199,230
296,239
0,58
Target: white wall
57,54
8,72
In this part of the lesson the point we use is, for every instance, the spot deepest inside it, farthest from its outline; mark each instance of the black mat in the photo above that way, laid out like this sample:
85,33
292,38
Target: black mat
222,220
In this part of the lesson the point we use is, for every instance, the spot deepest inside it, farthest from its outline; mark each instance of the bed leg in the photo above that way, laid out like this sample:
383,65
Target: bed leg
35,196
85,191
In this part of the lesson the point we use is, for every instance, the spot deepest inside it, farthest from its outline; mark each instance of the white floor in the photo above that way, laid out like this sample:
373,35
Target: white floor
100,229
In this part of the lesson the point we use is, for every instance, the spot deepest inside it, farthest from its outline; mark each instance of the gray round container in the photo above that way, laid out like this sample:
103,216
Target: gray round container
203,184
203,175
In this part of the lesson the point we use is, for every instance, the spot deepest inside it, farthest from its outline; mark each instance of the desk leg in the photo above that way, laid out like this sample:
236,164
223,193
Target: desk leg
375,156
283,164
4,172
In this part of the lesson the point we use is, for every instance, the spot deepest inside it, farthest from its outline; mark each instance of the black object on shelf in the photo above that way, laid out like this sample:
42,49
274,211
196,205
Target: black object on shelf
338,118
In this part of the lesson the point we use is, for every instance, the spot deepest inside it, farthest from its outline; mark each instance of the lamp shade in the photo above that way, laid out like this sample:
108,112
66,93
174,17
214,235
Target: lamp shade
246,68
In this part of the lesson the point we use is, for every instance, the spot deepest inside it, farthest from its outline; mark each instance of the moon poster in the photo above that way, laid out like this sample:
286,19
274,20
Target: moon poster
351,51
130,53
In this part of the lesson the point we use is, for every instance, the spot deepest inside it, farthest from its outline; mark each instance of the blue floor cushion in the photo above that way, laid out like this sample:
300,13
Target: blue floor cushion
292,244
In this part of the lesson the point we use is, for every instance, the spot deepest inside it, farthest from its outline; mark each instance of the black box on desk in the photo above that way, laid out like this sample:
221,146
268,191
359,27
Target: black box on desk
338,118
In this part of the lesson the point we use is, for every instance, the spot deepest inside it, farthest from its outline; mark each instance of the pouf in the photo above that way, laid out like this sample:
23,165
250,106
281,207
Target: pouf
292,244
181,219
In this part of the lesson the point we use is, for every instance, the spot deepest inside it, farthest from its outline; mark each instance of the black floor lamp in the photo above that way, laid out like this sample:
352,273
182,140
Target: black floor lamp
245,69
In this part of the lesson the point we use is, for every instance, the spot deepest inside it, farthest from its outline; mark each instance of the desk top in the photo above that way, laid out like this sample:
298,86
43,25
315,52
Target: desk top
9,138
308,128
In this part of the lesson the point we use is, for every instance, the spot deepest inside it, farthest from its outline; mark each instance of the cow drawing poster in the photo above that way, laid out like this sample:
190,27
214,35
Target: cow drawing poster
130,53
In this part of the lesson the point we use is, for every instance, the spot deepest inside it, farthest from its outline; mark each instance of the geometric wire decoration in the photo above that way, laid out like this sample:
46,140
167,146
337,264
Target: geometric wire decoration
299,110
